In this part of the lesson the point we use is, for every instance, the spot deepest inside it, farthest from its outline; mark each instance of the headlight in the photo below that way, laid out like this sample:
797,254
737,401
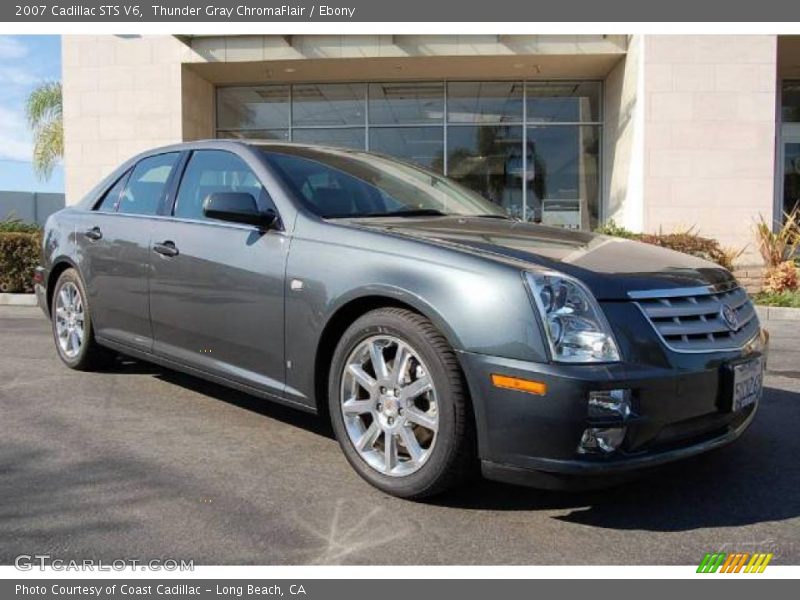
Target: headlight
576,328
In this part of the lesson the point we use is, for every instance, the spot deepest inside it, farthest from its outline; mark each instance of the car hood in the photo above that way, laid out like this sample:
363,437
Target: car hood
610,267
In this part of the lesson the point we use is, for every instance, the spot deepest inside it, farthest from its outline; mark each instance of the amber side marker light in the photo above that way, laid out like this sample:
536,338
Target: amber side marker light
521,385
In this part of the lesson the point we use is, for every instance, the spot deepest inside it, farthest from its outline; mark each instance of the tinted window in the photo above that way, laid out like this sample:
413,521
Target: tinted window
418,103
484,102
262,107
110,200
211,171
563,102
356,184
328,104
146,184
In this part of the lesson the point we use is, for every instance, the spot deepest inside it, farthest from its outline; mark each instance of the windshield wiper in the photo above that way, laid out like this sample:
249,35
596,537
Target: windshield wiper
492,216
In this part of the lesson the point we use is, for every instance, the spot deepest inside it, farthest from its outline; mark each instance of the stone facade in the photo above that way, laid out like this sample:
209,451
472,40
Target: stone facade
689,132
710,135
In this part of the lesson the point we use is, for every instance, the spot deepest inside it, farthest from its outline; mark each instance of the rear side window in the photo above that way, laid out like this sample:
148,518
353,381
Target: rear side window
212,171
112,196
147,183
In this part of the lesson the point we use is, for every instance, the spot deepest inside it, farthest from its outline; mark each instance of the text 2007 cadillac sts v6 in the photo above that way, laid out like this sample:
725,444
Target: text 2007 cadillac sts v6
436,333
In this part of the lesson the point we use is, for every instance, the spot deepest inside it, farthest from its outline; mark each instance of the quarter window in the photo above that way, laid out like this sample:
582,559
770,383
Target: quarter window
147,183
212,171
111,198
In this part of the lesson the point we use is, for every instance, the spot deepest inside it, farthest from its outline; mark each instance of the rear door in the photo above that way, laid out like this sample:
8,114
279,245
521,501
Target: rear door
216,295
116,251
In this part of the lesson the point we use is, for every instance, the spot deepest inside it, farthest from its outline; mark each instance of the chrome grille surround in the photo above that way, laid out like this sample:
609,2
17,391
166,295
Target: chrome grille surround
691,319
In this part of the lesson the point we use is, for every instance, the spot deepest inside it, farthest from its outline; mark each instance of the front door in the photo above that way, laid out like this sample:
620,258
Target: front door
216,288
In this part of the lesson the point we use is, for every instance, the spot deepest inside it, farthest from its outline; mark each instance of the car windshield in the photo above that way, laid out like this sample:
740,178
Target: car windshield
338,184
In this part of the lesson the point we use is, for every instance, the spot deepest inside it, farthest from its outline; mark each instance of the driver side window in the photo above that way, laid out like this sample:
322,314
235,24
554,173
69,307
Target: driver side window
213,171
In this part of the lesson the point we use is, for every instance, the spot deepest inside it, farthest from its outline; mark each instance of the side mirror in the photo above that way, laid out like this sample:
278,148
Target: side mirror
237,207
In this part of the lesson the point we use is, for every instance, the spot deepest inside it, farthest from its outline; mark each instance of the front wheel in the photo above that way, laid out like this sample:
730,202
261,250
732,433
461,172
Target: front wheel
399,406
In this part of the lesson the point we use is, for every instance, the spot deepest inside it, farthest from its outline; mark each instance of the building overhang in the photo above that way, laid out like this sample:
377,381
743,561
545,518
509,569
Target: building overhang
225,60
517,67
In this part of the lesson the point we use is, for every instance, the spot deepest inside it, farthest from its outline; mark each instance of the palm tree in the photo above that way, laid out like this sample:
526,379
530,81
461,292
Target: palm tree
44,113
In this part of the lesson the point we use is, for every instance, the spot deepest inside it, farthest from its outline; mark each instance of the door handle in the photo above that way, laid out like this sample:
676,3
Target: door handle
93,234
166,248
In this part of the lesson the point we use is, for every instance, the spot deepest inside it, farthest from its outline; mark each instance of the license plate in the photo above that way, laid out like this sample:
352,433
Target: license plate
747,384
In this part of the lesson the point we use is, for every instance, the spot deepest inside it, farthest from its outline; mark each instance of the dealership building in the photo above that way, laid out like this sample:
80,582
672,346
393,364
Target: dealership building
658,132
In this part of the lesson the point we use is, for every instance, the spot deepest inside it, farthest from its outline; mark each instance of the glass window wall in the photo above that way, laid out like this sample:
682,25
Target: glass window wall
531,147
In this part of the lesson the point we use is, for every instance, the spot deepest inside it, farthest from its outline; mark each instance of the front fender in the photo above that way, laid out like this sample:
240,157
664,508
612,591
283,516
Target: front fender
400,295
479,306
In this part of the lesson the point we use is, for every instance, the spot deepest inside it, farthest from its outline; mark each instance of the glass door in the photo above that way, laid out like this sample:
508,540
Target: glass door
787,186
789,173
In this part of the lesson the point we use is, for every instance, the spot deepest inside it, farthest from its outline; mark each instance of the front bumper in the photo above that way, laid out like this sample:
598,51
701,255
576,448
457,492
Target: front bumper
533,440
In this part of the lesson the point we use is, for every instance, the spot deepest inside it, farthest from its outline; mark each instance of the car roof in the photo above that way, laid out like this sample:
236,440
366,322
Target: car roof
248,143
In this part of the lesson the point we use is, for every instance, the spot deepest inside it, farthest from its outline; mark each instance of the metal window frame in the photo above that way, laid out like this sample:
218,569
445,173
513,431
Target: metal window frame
444,125
785,132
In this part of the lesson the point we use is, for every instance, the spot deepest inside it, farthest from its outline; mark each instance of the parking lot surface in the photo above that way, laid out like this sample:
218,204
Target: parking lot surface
141,462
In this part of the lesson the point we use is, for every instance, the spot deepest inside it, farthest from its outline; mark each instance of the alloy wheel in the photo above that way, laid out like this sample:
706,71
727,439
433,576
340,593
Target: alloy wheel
389,405
70,319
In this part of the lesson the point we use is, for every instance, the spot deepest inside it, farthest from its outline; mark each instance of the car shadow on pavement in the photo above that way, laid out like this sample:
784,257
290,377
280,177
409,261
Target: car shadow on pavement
273,410
129,366
754,480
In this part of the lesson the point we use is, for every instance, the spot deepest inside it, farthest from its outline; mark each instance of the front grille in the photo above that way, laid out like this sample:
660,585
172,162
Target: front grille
691,319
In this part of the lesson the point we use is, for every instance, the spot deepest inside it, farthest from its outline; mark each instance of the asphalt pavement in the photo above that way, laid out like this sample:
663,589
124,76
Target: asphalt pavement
141,462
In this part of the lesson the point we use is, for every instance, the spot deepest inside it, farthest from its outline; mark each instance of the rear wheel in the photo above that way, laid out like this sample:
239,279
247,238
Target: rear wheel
71,320
398,405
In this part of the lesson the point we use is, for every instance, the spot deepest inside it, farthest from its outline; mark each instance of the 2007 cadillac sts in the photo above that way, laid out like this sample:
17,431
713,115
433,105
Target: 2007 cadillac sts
436,333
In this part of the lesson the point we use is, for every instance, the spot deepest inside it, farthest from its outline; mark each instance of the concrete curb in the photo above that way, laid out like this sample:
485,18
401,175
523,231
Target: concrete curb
17,299
778,313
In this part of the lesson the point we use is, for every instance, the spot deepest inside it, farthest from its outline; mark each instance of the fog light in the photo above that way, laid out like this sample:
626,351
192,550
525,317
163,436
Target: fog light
601,440
608,405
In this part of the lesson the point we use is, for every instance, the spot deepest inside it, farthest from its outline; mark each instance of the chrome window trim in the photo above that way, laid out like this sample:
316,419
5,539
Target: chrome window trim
211,222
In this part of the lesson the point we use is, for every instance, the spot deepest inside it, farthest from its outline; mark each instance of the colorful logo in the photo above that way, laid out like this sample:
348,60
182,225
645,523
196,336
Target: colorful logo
736,562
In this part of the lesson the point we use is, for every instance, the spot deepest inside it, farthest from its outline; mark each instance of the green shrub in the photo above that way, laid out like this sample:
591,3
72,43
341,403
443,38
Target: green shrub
790,299
778,246
14,225
610,227
19,255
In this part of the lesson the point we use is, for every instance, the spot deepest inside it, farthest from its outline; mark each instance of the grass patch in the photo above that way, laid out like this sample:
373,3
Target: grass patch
787,299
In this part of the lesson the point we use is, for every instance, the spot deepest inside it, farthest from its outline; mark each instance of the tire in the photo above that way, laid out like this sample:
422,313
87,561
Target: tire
368,407
70,300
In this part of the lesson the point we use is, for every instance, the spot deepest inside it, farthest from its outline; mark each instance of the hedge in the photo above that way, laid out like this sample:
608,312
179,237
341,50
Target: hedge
19,255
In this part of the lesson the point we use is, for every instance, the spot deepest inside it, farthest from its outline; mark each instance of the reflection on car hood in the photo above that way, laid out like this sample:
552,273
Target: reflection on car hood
610,267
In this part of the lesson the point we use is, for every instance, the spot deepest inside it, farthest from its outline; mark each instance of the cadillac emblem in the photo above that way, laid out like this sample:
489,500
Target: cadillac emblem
729,317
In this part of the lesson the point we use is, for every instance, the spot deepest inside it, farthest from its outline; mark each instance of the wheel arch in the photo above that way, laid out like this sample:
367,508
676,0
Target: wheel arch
59,266
346,314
